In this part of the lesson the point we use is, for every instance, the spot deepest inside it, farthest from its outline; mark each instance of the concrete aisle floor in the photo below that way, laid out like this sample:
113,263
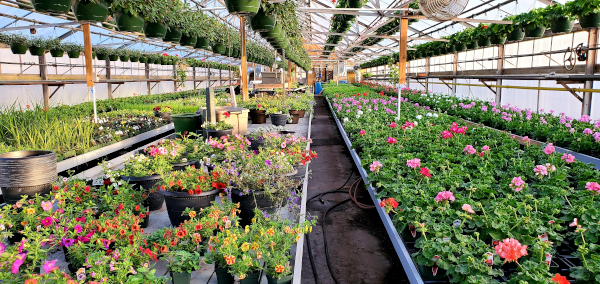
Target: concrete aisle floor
359,247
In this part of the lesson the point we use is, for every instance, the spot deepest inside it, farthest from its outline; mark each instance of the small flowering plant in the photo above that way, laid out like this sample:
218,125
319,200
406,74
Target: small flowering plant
140,165
26,213
221,125
194,181
182,261
162,109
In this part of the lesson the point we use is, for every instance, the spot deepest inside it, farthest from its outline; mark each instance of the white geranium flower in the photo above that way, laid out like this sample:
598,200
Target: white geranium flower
429,114
345,119
435,115
419,116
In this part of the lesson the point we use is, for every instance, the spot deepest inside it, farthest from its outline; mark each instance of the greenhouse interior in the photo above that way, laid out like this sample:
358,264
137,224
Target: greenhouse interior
299,142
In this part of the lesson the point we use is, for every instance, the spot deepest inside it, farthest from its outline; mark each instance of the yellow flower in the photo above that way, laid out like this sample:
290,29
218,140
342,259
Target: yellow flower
279,268
242,276
259,255
253,220
245,247
30,211
254,246
192,214
270,232
247,229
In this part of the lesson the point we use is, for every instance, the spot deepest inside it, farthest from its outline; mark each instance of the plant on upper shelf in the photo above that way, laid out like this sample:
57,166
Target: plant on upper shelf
221,125
104,50
555,12
583,7
533,19
501,30
72,47
41,42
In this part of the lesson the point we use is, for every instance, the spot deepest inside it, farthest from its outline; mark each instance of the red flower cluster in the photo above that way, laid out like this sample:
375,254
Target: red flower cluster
425,172
459,130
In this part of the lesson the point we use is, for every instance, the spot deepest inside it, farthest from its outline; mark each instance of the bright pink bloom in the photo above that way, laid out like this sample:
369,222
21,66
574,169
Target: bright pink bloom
49,265
526,139
392,140
468,208
47,221
587,131
568,158
469,150
540,170
485,148
17,264
574,224
446,134
414,163
46,205
510,250
444,195
549,149
425,172
375,166
517,184
392,125
362,132
593,186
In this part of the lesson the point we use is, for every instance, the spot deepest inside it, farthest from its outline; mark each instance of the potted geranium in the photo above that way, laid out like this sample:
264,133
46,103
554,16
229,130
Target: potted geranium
534,23
499,33
182,264
483,35
561,21
588,12
517,32
217,129
145,172
91,10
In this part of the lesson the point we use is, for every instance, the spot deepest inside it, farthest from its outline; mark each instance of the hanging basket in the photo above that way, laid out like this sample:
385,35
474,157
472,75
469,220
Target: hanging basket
497,40
201,43
535,32
155,30
102,56
113,57
134,59
451,49
73,53
242,7
483,42
262,22
57,52
36,51
18,49
275,33
517,34
472,45
124,58
92,11
173,35
188,40
143,59
591,20
355,3
561,25
127,22
52,6
220,49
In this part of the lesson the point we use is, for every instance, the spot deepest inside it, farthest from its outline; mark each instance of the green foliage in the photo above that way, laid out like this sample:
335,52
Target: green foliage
582,7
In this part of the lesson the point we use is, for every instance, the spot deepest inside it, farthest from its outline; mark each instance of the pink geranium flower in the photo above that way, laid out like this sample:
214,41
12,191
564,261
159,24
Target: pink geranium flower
392,140
446,134
425,172
46,205
362,132
517,184
485,148
392,125
468,208
49,265
593,186
511,250
469,150
568,158
574,224
375,166
18,262
540,171
445,196
549,149
413,163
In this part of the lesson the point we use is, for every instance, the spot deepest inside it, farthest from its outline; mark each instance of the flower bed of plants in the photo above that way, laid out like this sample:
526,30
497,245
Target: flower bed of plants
280,104
474,204
100,228
580,135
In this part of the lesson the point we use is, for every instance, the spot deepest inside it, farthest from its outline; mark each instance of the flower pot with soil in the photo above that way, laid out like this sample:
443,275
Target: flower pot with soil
223,275
294,116
278,119
258,116
92,11
517,34
282,280
216,130
26,173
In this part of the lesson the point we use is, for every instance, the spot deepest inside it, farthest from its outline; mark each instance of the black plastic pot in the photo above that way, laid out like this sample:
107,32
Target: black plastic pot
591,20
145,222
427,273
180,277
73,53
155,199
223,275
217,133
26,173
295,114
256,144
535,32
134,59
561,25
517,34
177,202
251,278
472,45
18,49
250,201
16,238
155,30
57,52
93,11
282,280
52,6
128,22
278,119
484,42
258,116
183,165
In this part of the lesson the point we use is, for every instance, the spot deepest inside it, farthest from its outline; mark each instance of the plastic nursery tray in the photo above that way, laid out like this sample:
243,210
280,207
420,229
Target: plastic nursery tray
409,266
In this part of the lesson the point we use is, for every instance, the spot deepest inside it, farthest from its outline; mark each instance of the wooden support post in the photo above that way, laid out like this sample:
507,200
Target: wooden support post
586,107
402,45
290,71
454,72
427,62
175,80
220,77
211,115
44,76
244,73
500,64
108,77
283,72
89,68
337,71
147,67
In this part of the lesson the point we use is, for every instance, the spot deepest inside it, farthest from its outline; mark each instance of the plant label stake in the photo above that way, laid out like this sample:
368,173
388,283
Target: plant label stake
434,268
233,101
490,259
548,259
413,231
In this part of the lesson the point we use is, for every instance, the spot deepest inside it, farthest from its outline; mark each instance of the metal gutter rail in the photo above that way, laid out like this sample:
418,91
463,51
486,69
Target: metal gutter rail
407,263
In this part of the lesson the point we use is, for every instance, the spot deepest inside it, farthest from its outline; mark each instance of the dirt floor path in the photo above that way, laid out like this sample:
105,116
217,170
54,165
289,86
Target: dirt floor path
360,250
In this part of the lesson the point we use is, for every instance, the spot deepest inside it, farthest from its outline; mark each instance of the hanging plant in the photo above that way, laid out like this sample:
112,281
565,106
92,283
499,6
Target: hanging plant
561,21
18,43
588,12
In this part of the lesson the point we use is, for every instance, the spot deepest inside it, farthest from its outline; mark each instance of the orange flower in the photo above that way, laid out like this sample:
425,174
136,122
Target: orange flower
181,233
135,227
270,232
164,249
173,242
258,254
560,279
31,281
122,232
179,182
279,268
192,214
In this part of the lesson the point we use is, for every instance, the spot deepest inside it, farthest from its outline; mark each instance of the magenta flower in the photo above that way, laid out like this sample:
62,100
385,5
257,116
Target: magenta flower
468,208
485,148
362,132
392,125
78,229
446,134
49,265
593,186
375,166
2,248
549,149
268,162
392,140
574,224
540,171
526,139
413,163
469,150
568,158
517,184
587,131
22,246
444,196
17,264
47,221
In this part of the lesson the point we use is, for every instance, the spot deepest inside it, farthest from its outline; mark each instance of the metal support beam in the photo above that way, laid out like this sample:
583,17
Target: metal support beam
586,107
147,67
40,26
55,90
108,76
